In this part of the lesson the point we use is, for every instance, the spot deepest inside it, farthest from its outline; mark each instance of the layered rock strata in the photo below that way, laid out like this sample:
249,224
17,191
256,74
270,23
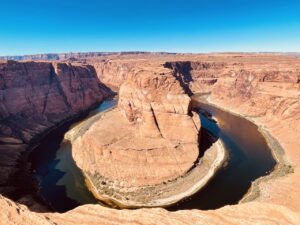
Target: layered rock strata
131,153
263,87
36,96
266,90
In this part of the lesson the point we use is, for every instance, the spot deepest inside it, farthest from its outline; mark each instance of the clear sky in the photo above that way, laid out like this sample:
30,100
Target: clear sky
49,26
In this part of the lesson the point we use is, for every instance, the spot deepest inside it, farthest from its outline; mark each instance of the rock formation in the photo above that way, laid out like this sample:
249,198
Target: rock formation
158,104
151,139
263,87
36,96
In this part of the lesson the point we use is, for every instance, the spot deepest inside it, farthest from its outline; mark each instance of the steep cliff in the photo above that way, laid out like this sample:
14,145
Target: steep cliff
264,88
114,72
257,86
151,139
36,96
158,104
189,71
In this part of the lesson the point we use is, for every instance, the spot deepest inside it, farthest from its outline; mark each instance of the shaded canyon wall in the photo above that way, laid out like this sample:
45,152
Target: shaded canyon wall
36,96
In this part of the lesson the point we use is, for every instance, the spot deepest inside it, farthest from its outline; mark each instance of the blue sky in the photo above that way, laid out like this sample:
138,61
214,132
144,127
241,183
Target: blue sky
40,26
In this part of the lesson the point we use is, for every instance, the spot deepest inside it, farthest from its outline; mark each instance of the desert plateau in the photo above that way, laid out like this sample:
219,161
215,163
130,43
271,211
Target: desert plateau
161,112
129,124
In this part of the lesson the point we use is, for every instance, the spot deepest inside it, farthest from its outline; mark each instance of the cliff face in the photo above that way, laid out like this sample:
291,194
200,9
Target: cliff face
113,73
149,140
149,95
189,71
257,88
157,103
35,96
265,88
259,93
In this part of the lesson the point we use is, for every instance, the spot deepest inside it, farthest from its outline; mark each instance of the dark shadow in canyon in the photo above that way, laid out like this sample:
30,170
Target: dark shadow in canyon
26,130
38,174
249,158
44,162
182,72
51,181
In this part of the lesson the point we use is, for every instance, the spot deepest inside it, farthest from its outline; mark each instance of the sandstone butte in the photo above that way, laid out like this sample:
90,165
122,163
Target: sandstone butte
264,88
140,153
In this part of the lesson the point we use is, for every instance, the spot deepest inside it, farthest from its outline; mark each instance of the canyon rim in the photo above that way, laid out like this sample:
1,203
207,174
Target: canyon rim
146,149
150,112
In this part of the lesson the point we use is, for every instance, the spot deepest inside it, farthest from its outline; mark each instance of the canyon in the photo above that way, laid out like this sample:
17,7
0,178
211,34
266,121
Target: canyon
38,96
137,158
156,97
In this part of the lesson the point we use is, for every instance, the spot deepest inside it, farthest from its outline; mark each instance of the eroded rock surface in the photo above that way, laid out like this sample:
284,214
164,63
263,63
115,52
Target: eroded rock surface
264,87
150,139
36,96
159,106
251,213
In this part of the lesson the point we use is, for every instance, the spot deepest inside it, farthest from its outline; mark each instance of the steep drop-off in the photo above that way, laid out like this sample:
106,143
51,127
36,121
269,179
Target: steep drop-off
139,154
36,96
264,88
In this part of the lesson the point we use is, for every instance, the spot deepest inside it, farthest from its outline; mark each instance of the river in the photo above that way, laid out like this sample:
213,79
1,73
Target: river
62,186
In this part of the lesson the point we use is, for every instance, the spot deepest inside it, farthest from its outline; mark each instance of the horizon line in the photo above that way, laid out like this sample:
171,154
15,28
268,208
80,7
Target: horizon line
152,52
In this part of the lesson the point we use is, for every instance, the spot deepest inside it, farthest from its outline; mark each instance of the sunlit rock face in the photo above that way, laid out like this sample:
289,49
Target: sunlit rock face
151,138
263,87
266,89
159,106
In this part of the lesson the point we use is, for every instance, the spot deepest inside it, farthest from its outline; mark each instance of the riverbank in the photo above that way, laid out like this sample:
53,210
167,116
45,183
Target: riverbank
31,195
167,193
164,195
171,192
282,167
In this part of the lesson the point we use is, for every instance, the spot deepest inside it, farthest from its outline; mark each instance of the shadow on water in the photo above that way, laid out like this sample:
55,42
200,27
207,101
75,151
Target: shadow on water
249,158
61,184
